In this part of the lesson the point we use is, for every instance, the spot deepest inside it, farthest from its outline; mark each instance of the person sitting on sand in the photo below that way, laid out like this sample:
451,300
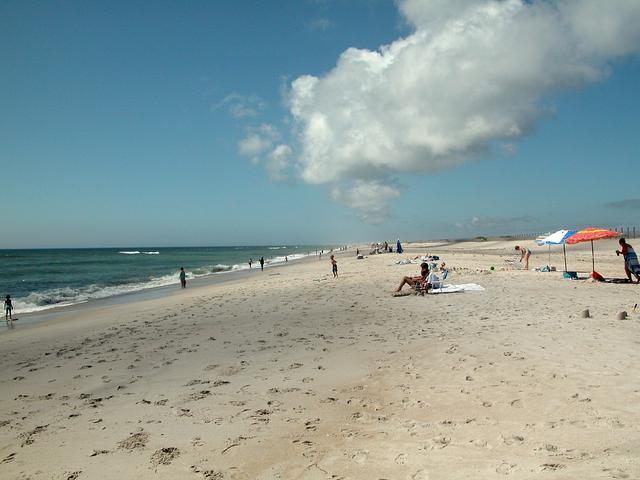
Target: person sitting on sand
8,309
525,253
421,279
631,264
334,266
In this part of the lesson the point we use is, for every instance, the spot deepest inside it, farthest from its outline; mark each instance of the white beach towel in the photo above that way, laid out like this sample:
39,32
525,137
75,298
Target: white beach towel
463,287
404,262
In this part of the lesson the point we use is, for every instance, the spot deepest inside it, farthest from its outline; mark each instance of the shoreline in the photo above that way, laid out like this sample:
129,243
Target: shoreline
55,311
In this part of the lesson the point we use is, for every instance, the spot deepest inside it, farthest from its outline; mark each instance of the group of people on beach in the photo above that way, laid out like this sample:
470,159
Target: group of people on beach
261,262
631,263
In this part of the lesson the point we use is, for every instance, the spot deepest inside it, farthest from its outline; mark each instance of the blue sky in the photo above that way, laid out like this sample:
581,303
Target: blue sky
122,124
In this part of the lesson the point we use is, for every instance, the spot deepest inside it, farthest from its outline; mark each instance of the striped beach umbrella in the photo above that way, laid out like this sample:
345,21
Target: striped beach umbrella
557,238
589,235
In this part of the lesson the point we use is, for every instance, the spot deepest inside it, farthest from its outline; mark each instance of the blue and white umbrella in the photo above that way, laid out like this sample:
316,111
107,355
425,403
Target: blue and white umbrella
557,238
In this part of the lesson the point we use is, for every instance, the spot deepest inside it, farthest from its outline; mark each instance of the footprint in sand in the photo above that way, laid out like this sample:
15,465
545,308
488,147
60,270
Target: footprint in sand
420,475
164,456
135,441
506,468
208,474
360,456
230,371
513,439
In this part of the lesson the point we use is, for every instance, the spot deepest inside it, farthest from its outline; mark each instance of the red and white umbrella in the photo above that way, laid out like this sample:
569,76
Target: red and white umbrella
589,235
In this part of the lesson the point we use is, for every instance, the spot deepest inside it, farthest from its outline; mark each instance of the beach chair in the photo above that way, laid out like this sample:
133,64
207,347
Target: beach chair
445,275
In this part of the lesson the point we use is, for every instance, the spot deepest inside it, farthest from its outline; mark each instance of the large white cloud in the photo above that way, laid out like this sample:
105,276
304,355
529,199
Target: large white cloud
472,74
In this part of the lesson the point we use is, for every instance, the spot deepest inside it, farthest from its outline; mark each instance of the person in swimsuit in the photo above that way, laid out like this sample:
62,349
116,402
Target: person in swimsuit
8,309
631,264
422,279
525,253
334,266
183,278
261,263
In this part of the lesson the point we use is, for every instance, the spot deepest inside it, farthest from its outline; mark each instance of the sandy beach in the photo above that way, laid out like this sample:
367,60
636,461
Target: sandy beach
292,374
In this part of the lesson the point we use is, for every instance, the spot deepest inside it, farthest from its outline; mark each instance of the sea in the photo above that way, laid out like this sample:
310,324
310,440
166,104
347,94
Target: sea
41,279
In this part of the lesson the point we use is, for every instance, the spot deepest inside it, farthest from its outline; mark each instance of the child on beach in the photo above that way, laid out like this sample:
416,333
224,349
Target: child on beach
8,309
334,266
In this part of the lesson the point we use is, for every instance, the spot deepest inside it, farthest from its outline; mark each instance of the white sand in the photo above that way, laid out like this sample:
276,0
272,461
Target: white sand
293,374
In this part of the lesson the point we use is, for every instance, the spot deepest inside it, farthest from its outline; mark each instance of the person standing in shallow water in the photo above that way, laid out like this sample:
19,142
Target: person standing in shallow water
250,262
183,278
261,263
8,309
334,266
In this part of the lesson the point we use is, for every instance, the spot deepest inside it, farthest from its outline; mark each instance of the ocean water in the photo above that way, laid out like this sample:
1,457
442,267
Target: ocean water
42,279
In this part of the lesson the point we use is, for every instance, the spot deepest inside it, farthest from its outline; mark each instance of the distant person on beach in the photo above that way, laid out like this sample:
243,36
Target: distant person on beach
8,309
183,278
421,279
262,263
525,253
250,262
286,259
631,264
334,266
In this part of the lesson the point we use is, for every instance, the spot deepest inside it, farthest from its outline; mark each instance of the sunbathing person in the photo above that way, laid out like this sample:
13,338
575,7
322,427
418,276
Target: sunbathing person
421,279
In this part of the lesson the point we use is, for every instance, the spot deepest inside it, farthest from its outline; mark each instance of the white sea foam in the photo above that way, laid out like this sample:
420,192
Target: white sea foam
60,297
277,248
151,253
295,256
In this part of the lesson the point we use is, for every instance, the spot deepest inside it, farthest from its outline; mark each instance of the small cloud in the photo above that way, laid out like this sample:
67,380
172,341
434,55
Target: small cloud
321,23
369,198
278,161
509,149
241,106
496,222
258,141
629,204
